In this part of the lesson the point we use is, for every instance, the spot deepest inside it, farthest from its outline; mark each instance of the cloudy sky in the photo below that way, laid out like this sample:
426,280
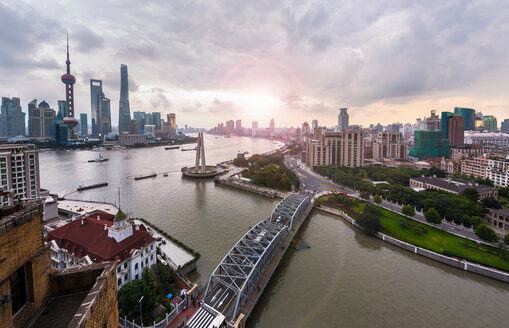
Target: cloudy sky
209,61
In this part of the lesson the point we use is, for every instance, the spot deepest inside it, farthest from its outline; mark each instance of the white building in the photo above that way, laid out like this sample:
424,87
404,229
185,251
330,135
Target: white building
498,172
100,237
487,138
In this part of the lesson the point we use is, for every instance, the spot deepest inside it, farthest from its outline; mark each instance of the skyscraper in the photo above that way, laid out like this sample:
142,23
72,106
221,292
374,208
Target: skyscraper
96,94
456,131
61,109
271,128
41,121
230,127
343,119
314,124
124,112
433,122
68,79
504,127
468,115
12,119
140,118
84,124
172,121
238,128
156,119
105,117
31,107
254,127
489,123
444,124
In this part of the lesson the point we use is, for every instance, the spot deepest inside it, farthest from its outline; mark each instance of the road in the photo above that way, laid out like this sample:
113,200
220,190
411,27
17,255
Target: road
315,183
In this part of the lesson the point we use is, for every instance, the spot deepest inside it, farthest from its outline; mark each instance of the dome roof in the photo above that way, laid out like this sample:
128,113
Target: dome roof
43,104
68,79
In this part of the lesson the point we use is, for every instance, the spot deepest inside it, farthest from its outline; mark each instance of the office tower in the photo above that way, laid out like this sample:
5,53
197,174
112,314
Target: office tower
444,124
271,128
12,119
124,112
19,172
305,129
31,107
489,123
230,127
140,119
343,119
314,125
172,125
61,109
96,94
389,145
504,127
433,122
468,115
133,127
156,120
238,128
84,124
456,131
41,121
429,143
68,79
105,116
343,148
149,119
254,128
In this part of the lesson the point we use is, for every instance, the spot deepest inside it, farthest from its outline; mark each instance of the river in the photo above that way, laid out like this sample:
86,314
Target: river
345,279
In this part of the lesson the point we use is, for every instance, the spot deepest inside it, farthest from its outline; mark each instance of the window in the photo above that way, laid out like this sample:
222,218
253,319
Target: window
18,289
136,267
119,282
125,277
3,171
118,269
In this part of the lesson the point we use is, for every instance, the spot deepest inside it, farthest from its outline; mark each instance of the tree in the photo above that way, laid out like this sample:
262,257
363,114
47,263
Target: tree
432,216
377,199
369,221
130,294
506,239
471,193
491,202
486,233
408,210
365,195
476,220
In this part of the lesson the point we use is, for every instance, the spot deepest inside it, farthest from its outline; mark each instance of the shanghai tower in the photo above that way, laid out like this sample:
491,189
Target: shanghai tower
124,113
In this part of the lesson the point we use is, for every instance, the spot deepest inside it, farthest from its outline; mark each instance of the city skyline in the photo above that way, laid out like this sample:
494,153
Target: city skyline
266,72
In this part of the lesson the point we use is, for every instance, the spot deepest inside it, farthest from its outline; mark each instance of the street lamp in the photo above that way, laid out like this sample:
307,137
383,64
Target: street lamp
141,313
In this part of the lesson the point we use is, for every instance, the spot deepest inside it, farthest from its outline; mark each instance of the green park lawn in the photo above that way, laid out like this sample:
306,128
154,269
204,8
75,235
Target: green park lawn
439,241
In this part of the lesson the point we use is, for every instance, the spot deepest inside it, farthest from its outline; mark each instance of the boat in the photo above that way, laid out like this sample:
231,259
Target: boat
97,185
98,159
227,136
195,148
165,174
151,175
171,147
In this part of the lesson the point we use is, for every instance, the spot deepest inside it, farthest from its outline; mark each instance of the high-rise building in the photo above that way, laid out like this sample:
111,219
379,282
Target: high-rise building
156,119
272,128
429,143
41,121
61,109
433,122
504,127
84,124
140,118
19,166
133,127
314,125
96,94
344,148
254,128
444,124
12,119
468,115
456,131
389,145
105,117
172,124
489,123
124,112
343,119
230,127
68,79
238,128
306,130
31,107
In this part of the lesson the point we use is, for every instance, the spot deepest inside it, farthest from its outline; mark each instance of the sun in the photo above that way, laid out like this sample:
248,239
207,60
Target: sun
259,106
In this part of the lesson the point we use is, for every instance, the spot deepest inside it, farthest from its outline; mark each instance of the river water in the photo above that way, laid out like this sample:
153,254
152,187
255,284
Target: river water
345,279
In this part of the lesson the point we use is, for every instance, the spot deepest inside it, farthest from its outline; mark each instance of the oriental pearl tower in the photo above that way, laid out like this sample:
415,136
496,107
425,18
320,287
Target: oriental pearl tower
68,79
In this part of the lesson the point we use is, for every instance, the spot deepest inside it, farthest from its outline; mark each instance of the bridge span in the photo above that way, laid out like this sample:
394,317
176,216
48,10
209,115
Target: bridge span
240,278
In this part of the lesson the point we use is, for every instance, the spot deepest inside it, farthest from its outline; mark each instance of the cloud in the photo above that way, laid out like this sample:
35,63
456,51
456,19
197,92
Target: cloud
222,107
87,40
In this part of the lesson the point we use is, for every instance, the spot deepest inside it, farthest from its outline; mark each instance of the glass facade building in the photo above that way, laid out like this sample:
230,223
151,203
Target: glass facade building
469,116
124,112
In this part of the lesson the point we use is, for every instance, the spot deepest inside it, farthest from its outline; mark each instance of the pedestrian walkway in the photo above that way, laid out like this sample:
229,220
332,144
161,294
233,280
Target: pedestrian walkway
181,318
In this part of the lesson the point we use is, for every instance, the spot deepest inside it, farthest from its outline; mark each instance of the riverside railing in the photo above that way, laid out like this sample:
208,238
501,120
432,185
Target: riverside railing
124,322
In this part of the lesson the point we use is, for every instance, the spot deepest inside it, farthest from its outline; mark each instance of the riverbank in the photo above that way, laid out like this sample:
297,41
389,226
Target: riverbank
452,261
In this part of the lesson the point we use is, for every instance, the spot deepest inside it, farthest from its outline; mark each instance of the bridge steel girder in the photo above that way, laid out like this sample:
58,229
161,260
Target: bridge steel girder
246,262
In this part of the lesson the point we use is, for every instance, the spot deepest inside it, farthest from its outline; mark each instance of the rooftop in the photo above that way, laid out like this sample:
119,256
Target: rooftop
456,185
81,207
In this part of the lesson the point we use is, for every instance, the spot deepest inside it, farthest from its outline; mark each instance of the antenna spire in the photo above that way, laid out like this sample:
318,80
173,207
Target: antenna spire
68,62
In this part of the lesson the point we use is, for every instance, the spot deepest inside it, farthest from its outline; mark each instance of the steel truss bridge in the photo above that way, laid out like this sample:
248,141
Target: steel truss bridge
237,275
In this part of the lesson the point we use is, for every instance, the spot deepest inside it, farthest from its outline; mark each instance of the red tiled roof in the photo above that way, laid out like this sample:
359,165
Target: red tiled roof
92,239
